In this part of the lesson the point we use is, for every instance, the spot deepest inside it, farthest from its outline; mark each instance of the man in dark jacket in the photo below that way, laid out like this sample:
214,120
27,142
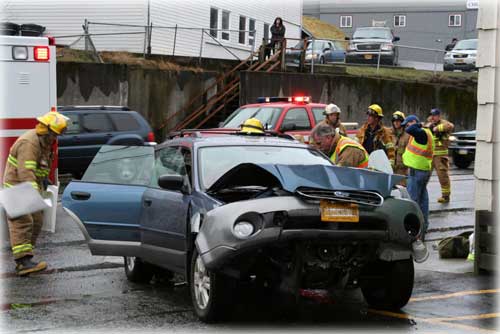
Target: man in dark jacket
450,46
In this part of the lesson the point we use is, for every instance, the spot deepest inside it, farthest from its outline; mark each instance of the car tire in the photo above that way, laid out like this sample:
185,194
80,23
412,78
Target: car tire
137,271
212,305
460,162
394,289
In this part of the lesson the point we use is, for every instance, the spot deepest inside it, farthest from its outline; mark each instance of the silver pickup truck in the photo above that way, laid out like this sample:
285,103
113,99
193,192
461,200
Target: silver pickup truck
368,42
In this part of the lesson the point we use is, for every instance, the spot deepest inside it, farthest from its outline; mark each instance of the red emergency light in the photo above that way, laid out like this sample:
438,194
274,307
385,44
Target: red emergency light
301,99
41,53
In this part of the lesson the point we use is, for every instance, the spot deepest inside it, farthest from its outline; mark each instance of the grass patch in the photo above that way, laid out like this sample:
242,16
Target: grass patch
413,75
321,29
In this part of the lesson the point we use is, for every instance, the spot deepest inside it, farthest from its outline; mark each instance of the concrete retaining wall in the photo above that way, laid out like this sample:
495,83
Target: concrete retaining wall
354,94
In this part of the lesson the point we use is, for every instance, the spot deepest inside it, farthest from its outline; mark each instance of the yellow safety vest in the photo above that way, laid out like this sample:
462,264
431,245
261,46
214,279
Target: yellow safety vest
345,142
418,156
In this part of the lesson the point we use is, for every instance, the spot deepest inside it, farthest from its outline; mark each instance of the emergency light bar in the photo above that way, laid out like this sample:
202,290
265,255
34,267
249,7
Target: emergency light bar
294,99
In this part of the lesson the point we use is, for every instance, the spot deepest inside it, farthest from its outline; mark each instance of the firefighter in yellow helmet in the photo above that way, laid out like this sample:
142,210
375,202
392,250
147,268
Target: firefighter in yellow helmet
374,136
400,140
29,160
252,126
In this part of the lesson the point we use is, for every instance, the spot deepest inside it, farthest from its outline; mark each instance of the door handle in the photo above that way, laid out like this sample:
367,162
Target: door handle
80,195
148,202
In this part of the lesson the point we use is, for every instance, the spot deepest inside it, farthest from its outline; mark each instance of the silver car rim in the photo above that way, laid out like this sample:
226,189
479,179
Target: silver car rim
201,284
130,262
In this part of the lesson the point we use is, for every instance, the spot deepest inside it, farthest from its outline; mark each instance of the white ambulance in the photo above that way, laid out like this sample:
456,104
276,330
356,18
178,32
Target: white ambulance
28,90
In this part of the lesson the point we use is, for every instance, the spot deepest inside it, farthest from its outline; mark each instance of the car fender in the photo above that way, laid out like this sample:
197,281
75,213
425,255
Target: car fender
126,140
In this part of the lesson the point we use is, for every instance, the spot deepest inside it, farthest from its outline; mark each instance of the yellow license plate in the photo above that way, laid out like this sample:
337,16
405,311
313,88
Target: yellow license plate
459,60
339,212
368,57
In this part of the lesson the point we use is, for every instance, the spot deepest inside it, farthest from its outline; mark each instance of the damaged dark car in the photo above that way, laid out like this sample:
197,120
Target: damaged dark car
226,209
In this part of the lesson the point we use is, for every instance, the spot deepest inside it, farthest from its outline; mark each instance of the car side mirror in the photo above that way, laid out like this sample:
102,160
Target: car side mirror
395,39
172,182
347,38
288,127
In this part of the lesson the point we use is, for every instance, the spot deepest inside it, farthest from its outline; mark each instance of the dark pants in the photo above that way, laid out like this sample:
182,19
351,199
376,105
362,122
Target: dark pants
417,188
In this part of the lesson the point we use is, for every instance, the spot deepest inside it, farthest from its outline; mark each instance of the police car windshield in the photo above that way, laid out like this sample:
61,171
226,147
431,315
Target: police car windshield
267,115
216,161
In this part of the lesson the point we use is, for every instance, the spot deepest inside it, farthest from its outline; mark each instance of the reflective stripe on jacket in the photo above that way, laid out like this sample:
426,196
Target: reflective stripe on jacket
418,156
345,142
28,161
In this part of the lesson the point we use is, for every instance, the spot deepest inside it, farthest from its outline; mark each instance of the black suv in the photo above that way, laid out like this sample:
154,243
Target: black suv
93,126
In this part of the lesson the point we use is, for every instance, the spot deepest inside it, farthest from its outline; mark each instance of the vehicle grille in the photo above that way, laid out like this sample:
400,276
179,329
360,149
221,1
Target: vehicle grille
351,196
368,47
465,141
459,56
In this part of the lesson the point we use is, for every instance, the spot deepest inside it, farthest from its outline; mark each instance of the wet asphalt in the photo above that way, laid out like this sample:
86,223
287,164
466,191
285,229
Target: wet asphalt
84,293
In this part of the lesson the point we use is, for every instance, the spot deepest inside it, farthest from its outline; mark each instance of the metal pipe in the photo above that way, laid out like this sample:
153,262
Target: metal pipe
378,59
312,56
435,61
175,40
201,44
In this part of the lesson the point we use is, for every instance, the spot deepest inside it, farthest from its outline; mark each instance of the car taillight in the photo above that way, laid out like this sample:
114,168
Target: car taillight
151,137
41,53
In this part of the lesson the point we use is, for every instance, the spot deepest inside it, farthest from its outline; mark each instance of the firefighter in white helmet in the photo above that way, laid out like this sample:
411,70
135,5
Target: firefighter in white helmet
29,160
332,118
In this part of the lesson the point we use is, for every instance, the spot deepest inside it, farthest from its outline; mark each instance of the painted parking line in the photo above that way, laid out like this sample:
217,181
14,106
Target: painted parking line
455,294
434,321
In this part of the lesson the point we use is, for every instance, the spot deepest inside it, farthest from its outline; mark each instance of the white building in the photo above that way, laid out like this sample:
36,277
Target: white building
63,18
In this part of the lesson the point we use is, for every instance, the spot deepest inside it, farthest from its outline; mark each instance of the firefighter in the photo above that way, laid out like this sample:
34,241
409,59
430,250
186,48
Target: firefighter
343,151
441,130
418,158
332,118
374,136
30,160
400,140
252,126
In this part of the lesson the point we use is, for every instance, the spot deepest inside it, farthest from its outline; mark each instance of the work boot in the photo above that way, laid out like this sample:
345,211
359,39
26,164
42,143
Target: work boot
444,199
25,266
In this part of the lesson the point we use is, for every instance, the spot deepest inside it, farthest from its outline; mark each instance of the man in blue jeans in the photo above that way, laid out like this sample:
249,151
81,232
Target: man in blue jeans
418,159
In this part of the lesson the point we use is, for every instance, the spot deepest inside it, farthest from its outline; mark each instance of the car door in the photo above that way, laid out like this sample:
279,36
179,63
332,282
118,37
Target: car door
68,153
107,203
165,212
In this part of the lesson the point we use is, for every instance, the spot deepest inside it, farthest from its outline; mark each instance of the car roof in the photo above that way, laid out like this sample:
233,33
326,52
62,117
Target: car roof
92,107
231,140
283,104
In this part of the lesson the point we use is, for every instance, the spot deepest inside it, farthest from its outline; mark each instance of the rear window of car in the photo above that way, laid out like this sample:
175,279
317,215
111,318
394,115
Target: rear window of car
125,122
126,165
96,122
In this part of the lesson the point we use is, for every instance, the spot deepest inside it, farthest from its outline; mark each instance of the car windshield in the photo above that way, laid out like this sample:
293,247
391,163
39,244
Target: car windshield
216,161
129,165
318,46
466,44
372,33
267,115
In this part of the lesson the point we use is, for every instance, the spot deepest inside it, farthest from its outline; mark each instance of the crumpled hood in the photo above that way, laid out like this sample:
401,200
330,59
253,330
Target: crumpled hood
291,177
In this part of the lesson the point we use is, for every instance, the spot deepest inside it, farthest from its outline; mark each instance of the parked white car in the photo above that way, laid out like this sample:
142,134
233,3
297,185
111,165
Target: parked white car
462,57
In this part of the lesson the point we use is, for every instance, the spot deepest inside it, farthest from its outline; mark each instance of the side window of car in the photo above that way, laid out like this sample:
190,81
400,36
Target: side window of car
298,117
124,122
169,161
73,124
96,122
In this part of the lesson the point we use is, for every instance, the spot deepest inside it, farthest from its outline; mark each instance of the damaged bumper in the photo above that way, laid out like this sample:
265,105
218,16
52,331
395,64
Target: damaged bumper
392,226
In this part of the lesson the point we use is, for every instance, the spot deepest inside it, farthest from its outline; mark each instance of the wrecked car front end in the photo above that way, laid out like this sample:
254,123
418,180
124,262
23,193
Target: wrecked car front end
326,227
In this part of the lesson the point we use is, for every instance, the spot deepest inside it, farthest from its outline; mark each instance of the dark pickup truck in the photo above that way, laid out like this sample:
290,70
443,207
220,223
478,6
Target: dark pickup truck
463,148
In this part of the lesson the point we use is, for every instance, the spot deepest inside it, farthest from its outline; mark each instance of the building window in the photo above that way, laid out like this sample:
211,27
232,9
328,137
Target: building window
225,25
455,20
400,20
266,32
346,21
214,21
251,33
242,27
